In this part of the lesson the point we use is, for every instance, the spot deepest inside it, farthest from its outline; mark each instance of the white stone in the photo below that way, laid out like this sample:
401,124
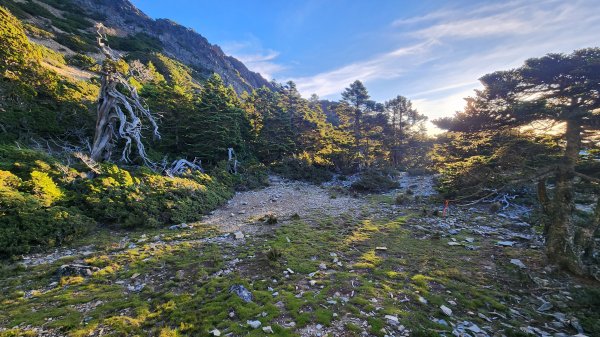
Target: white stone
268,329
392,319
254,324
447,311
518,263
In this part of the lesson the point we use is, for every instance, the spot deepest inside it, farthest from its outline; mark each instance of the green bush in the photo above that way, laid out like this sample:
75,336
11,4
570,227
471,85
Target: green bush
151,200
139,42
251,175
374,181
27,221
300,169
82,61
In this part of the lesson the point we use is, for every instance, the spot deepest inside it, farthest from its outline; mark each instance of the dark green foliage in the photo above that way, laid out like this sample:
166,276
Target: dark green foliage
75,43
251,175
272,126
36,102
150,200
473,163
374,181
82,61
301,169
273,254
402,198
216,124
25,224
42,203
34,210
139,42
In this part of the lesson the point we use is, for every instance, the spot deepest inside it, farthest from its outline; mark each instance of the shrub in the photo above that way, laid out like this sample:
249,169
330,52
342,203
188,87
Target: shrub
301,169
401,199
374,181
25,223
82,61
251,175
44,188
152,200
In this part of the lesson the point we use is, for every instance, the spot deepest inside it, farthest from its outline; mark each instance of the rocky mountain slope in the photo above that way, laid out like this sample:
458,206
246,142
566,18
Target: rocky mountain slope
68,27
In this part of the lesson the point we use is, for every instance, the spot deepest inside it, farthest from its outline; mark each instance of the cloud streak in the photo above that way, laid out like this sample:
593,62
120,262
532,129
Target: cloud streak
251,53
384,66
440,55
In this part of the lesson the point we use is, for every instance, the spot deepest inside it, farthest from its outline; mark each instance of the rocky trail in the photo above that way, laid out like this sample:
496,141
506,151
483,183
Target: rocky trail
295,259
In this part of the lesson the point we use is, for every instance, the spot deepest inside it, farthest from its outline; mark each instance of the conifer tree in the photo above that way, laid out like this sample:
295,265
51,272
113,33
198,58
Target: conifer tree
216,124
560,88
403,118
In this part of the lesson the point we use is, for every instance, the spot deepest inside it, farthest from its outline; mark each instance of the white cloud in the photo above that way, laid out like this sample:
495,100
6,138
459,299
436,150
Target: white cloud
442,66
257,59
385,66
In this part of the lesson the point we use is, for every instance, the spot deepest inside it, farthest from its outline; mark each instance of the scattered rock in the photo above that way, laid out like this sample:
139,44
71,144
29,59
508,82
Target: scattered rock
254,324
268,329
464,328
447,311
180,226
216,332
238,235
506,243
545,306
380,248
518,263
392,319
242,292
76,270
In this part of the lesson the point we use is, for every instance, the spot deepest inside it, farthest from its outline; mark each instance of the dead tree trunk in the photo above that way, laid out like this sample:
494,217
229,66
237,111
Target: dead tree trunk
119,115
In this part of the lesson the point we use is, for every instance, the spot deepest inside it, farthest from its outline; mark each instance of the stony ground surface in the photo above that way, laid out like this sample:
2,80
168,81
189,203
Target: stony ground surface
282,198
333,264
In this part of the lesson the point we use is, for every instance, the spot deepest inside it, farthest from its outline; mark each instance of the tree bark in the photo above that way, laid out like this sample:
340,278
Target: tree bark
561,242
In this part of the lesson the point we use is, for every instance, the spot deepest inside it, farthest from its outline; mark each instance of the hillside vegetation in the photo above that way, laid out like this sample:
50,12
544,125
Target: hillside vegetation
369,225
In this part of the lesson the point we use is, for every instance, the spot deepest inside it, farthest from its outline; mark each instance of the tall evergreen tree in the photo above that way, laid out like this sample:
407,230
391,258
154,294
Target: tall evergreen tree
217,123
271,124
560,88
402,118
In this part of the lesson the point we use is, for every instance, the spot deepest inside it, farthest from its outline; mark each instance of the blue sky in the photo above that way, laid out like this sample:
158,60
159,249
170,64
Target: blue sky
432,52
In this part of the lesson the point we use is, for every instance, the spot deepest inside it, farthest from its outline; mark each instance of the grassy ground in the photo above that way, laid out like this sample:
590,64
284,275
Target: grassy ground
312,276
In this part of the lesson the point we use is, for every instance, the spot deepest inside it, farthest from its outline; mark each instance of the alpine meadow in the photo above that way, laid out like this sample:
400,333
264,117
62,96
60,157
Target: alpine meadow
422,169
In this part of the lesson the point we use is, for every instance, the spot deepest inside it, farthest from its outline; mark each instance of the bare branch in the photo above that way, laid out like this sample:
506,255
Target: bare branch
119,115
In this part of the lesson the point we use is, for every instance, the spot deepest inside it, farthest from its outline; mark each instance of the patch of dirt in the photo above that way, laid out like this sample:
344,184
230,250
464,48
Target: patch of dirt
283,199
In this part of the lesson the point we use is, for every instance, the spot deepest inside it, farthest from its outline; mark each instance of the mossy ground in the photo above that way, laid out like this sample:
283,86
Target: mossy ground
375,266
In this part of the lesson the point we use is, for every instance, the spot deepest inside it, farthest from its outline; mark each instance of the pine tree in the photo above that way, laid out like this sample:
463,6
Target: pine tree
216,124
560,88
271,124
403,119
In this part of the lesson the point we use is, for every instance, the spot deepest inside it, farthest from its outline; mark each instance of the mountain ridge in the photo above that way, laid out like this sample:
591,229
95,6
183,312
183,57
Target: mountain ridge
180,42
70,26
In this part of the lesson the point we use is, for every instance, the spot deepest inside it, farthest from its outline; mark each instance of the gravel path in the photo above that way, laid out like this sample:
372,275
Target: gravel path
283,199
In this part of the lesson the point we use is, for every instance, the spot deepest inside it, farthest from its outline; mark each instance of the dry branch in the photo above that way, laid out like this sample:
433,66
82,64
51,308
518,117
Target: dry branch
119,116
